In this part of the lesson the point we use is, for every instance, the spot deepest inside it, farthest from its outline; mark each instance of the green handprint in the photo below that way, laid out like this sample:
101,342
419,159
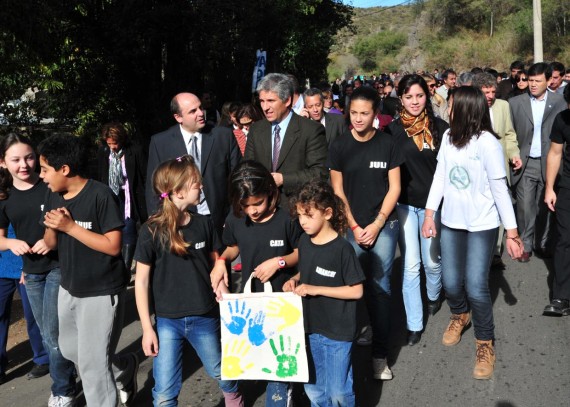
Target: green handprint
287,362
279,308
231,362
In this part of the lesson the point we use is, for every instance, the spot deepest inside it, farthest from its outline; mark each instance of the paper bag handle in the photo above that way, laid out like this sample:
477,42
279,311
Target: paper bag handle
247,287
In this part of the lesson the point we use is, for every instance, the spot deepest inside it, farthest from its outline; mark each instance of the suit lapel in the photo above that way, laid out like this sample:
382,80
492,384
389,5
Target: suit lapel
548,109
178,141
291,136
207,143
528,110
265,138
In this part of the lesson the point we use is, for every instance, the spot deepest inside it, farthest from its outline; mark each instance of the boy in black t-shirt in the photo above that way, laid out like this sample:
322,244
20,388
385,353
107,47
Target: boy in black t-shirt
82,220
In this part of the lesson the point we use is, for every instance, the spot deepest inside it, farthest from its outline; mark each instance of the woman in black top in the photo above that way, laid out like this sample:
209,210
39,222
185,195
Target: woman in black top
122,165
417,132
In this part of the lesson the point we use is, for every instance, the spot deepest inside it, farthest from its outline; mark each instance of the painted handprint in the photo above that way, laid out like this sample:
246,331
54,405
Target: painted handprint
286,360
238,319
255,330
231,362
280,308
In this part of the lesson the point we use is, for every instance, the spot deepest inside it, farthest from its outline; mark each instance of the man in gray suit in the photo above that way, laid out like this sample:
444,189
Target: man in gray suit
533,115
292,148
334,124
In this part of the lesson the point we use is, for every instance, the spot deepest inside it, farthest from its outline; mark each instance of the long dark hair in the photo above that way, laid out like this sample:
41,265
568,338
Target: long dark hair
5,177
404,87
248,179
469,116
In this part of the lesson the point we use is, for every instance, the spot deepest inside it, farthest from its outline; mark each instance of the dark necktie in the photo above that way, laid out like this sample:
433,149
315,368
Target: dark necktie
276,147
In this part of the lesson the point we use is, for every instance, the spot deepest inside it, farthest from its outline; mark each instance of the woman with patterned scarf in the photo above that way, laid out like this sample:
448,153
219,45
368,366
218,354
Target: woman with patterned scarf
122,166
417,132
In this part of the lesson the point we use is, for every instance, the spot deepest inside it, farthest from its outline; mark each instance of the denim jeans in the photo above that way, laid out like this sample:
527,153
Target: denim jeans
276,394
377,262
43,291
416,250
331,372
7,288
203,333
466,260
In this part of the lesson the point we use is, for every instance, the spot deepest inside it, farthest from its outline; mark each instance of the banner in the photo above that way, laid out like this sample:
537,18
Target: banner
263,336
259,69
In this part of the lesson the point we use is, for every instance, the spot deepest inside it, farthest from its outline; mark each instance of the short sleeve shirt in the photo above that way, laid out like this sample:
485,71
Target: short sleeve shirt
364,167
560,134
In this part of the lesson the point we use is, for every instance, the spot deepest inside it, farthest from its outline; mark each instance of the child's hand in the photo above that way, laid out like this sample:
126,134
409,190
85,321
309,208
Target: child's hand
266,269
40,248
150,343
369,234
221,289
305,289
18,247
59,219
289,285
219,273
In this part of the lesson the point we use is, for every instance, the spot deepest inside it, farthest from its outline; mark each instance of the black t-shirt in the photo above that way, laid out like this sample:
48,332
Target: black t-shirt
258,242
181,284
23,209
364,167
419,166
86,272
560,134
333,264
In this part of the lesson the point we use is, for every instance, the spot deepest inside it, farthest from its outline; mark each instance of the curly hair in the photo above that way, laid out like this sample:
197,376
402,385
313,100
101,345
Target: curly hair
320,195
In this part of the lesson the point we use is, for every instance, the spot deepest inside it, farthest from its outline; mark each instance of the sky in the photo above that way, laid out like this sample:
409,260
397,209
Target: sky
373,3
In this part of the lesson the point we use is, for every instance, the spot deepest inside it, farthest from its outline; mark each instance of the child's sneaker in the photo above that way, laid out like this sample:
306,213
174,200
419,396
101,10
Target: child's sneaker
365,336
380,369
61,401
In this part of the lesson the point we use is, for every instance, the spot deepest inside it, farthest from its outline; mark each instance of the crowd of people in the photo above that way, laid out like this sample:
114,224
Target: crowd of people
340,175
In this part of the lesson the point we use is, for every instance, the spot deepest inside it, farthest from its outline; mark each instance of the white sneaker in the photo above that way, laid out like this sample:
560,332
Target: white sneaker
381,370
365,336
127,394
60,401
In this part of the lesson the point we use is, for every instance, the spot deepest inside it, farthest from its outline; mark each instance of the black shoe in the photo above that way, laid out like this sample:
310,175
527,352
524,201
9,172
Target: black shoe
414,337
557,308
2,378
497,263
38,371
434,306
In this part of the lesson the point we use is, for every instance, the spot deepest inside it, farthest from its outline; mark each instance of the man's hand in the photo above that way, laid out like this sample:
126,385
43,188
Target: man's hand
278,177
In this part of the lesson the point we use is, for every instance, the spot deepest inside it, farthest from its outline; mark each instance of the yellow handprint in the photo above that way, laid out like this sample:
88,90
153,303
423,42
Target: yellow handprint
231,362
280,308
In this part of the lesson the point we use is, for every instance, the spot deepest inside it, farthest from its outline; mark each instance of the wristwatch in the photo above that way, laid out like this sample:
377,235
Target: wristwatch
281,262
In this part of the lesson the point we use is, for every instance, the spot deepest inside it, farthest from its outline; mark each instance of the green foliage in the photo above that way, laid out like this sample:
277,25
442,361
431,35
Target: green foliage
381,46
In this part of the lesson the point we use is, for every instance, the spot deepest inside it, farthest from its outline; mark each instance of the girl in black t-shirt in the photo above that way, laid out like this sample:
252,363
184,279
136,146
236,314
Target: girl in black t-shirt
365,173
175,251
330,281
266,238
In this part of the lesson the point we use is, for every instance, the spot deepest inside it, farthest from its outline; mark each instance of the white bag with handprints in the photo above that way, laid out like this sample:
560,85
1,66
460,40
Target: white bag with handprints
263,336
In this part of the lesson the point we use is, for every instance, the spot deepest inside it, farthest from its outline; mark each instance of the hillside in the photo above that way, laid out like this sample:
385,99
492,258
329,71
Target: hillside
444,33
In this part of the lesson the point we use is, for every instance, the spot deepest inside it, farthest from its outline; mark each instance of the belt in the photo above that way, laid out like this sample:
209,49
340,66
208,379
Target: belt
535,158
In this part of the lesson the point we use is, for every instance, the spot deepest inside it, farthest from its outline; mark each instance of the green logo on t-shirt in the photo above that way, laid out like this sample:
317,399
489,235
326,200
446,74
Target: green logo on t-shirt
459,177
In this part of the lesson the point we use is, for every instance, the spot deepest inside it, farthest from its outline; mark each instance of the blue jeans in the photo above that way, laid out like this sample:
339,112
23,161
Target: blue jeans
7,288
43,291
377,264
203,333
416,250
466,260
331,372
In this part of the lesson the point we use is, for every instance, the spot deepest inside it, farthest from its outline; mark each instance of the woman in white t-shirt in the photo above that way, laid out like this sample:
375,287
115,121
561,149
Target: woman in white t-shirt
470,178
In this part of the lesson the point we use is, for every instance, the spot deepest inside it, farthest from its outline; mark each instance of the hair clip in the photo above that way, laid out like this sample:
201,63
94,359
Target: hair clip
179,159
164,195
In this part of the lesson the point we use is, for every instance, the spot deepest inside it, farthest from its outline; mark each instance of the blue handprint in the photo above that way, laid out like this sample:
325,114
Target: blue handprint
239,318
255,330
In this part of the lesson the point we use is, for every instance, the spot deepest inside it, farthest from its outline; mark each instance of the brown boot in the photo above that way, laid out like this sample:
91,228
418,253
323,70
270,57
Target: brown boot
484,360
457,323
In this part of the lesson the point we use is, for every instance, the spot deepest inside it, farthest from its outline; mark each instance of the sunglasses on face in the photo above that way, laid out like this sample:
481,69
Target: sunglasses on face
432,85
522,80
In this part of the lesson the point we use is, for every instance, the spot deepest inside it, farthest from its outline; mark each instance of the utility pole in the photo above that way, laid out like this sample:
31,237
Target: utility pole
537,27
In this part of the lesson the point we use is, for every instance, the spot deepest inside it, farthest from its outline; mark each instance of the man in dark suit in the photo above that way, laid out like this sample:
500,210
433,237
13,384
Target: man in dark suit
214,149
533,115
293,148
334,124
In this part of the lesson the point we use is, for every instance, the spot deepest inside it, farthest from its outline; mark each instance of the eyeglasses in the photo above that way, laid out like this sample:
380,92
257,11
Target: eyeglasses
522,80
432,85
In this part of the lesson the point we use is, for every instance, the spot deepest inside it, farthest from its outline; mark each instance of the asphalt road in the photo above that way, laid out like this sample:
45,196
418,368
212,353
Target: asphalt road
532,368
